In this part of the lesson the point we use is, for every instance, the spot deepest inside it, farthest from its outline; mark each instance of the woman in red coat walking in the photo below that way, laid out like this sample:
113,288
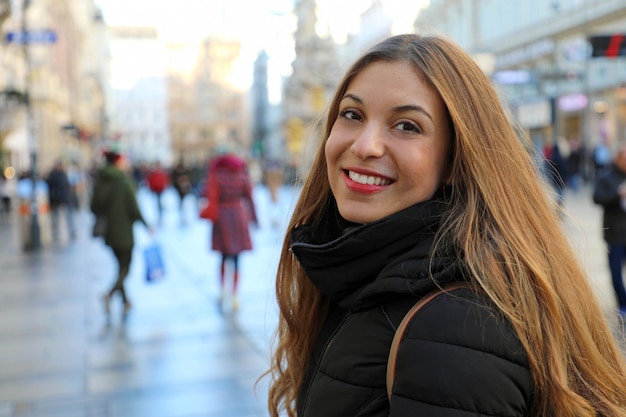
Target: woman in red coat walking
229,186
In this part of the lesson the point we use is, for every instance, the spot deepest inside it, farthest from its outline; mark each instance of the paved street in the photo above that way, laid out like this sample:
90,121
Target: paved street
177,354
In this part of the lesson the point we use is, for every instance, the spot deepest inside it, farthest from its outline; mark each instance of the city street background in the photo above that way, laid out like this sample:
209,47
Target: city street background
177,354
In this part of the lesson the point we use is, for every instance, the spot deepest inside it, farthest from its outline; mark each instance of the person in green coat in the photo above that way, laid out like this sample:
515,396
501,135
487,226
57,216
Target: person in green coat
114,198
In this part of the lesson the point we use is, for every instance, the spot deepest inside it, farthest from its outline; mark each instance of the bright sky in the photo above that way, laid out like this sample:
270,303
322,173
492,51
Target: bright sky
258,24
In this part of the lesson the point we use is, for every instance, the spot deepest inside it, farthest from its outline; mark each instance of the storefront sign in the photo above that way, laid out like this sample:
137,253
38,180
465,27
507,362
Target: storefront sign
572,102
512,77
33,36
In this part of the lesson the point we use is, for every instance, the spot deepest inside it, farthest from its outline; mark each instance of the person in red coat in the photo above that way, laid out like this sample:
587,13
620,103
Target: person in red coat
158,179
229,184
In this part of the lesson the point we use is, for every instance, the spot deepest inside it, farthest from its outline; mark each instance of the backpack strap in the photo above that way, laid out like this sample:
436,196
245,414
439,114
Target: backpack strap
393,351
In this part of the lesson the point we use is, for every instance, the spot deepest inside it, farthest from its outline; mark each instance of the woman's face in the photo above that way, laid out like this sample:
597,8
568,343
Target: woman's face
388,148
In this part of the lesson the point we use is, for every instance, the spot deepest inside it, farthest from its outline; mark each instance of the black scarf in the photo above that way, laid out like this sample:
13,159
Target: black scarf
357,266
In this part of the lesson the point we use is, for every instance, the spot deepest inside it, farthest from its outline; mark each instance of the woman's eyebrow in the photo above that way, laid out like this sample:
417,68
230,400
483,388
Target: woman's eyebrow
353,97
412,107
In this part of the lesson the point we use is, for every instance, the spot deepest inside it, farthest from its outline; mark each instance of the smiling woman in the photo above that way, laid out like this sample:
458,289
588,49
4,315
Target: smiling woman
421,181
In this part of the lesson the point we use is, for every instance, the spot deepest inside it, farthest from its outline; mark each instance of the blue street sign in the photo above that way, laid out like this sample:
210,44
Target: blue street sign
32,36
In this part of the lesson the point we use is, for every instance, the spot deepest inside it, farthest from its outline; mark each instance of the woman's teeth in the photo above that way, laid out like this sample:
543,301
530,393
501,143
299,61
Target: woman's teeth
367,179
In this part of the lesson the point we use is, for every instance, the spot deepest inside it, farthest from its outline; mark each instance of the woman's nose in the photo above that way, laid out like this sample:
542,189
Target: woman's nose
368,143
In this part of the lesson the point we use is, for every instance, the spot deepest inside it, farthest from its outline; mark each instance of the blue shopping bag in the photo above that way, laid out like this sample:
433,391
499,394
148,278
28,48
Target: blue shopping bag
154,262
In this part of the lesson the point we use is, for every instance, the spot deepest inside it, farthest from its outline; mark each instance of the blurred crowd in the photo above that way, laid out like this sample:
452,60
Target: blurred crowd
66,188
569,163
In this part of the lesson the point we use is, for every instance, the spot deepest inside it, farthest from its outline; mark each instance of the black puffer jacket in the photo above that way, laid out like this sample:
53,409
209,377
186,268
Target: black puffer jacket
458,357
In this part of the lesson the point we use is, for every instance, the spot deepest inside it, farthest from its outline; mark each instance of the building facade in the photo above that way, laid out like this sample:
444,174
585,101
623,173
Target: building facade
138,114
205,110
538,54
57,66
315,72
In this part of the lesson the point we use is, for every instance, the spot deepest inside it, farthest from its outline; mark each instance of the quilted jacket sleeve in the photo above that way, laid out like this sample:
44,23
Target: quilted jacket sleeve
459,359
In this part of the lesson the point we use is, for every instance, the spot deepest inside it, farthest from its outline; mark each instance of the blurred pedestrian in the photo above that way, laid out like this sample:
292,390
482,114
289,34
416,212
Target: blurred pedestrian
114,198
575,163
60,199
24,188
558,168
181,181
139,172
5,196
26,196
229,184
601,156
421,180
197,175
610,193
77,181
158,180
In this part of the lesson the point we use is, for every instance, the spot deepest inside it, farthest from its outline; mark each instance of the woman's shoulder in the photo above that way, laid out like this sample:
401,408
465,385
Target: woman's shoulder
466,319
466,356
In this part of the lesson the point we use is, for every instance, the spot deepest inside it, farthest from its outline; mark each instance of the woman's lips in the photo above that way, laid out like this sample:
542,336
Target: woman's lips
365,183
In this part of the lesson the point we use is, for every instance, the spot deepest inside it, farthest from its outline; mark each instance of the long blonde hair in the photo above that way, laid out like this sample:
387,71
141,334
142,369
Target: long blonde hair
505,225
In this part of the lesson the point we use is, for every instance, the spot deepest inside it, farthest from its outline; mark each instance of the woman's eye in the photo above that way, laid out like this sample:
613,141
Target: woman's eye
408,127
350,114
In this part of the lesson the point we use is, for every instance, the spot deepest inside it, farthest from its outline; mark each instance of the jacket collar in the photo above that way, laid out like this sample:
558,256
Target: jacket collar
357,265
